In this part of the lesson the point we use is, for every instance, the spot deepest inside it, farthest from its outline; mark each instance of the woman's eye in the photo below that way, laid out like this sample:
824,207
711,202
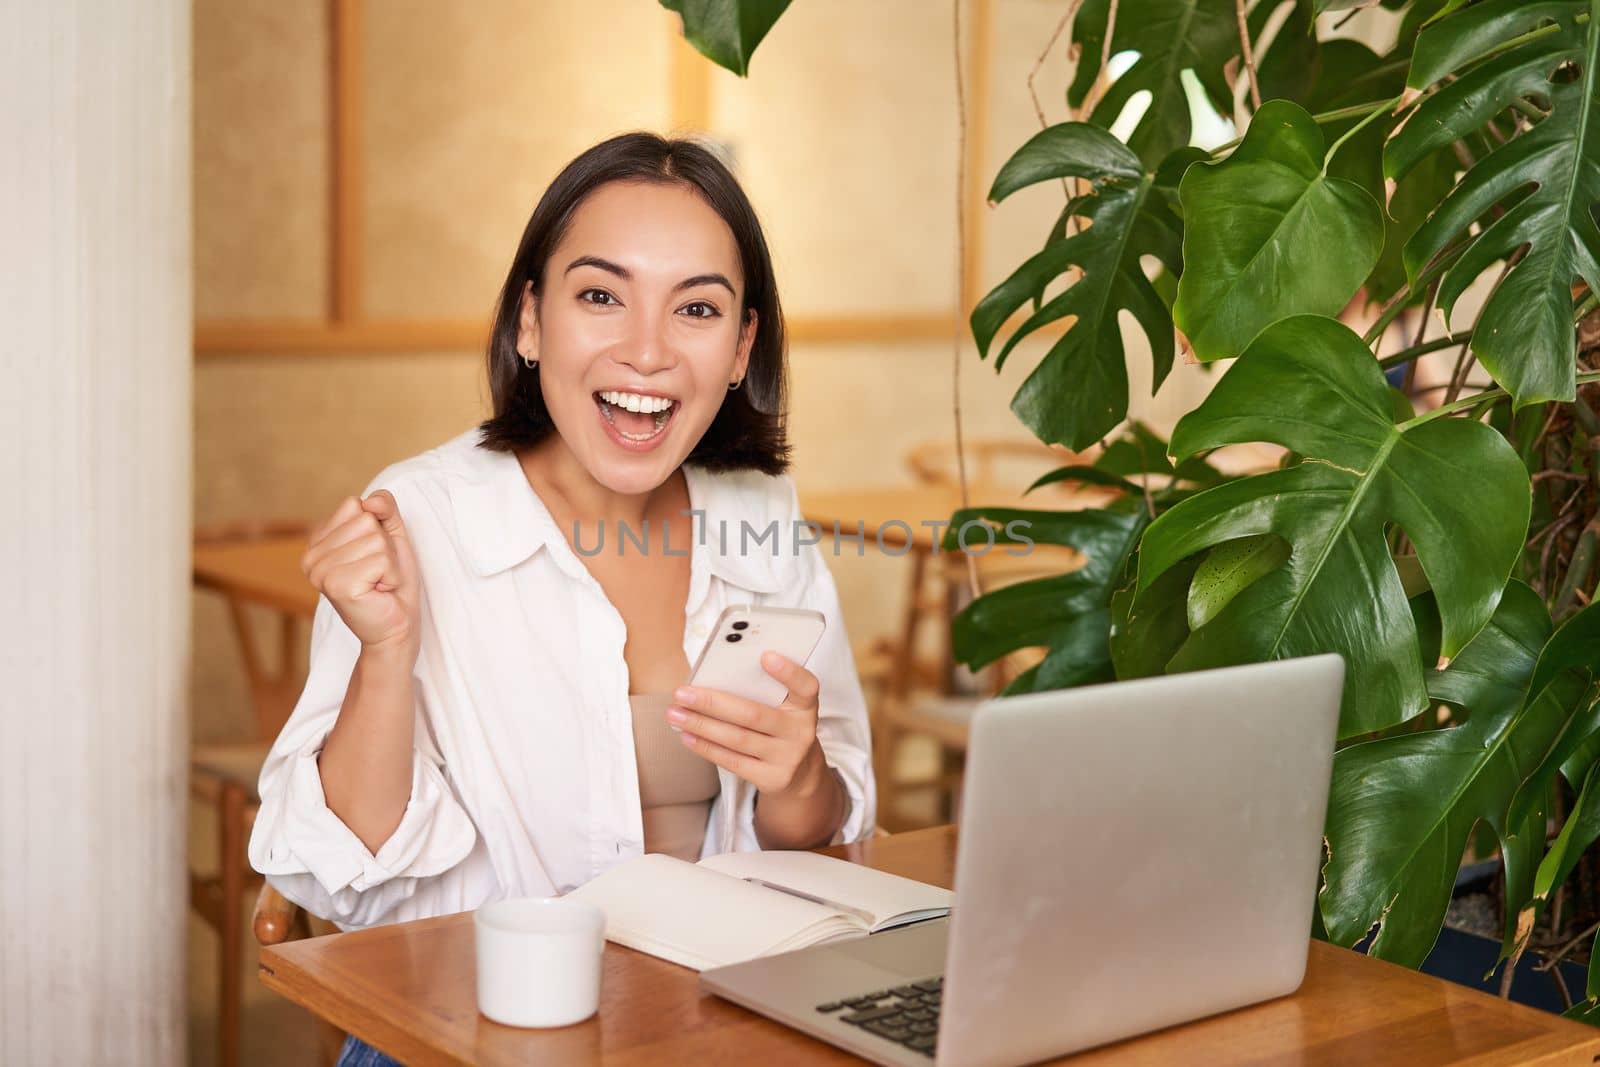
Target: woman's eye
597,296
700,310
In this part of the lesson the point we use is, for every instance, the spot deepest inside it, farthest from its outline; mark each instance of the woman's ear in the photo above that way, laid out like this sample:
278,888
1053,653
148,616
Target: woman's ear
747,340
528,324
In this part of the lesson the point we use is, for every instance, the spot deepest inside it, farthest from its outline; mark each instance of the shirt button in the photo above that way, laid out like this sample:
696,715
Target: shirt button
699,629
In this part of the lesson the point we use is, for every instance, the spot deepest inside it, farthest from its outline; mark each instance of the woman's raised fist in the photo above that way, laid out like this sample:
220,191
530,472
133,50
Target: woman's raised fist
360,558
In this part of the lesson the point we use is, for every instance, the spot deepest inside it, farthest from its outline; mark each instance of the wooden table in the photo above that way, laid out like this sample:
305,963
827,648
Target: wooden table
410,990
265,572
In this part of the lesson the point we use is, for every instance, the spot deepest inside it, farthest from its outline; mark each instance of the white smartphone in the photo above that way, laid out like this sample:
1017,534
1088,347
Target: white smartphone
731,660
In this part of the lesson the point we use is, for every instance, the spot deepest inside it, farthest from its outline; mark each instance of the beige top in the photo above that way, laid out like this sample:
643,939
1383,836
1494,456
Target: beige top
676,787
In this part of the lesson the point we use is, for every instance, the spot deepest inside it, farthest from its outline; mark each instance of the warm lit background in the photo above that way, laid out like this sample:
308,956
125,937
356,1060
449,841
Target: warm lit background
362,172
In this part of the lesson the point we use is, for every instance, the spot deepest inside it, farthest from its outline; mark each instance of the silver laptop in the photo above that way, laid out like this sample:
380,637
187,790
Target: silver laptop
1130,856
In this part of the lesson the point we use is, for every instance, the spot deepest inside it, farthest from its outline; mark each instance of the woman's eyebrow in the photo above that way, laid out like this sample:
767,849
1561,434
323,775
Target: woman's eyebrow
622,272
706,279
604,264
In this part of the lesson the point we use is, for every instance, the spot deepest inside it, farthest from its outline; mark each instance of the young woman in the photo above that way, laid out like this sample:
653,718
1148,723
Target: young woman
500,655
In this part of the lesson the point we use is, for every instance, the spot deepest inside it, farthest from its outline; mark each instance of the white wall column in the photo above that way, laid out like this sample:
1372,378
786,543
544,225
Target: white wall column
95,507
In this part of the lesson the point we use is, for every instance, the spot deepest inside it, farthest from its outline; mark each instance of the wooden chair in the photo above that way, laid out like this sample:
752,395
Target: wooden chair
223,776
278,919
931,697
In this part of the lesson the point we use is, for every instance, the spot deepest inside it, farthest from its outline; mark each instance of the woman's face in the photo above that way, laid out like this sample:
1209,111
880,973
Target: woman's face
637,331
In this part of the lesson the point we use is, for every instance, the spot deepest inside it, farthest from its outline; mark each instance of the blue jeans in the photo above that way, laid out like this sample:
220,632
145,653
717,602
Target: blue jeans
357,1053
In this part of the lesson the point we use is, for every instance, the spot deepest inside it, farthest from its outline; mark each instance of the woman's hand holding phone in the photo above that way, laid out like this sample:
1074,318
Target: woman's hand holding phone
801,801
360,558
772,748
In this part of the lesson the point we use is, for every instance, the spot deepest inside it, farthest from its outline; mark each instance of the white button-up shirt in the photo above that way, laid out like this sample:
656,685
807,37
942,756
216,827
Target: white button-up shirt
524,781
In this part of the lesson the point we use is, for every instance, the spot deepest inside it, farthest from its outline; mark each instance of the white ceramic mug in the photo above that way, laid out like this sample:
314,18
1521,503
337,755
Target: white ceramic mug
539,960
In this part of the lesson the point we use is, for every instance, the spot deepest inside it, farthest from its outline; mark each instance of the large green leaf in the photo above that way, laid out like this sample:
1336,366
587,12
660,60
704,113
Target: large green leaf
1066,614
1402,809
1344,73
1454,486
1169,37
1276,234
1544,180
727,31
1079,391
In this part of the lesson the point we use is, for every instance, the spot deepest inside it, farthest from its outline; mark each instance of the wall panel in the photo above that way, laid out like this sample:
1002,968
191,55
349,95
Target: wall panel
468,112
261,215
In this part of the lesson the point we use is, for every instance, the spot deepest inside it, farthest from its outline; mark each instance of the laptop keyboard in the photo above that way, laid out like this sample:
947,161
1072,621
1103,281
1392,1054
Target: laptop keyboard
907,1014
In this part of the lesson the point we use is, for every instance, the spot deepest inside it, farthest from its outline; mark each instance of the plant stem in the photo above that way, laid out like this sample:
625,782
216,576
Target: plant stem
1527,109
1408,383
1458,377
1590,302
1357,128
1553,958
1249,57
1390,312
1038,108
1467,401
961,277
1407,354
1321,118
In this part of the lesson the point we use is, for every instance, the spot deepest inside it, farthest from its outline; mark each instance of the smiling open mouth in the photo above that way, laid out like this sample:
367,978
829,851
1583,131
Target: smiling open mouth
636,417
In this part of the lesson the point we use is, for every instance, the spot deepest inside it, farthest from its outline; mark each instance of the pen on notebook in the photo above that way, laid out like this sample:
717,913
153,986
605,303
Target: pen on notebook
864,916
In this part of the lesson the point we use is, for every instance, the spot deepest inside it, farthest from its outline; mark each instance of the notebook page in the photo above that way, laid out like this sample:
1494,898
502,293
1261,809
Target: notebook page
699,918
888,898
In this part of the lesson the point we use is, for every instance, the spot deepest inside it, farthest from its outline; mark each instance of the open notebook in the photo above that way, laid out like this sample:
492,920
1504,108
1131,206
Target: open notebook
729,908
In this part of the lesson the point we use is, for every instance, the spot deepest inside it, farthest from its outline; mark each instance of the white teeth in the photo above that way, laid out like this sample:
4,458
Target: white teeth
636,401
659,407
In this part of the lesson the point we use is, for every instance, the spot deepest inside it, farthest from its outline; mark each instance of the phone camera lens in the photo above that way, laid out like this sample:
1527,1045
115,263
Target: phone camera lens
735,637
741,625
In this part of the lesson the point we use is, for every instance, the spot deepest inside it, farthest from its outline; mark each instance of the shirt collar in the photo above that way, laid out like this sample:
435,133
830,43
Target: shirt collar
501,521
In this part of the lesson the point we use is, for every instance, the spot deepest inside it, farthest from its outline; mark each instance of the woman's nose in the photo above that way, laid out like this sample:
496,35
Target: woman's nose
647,348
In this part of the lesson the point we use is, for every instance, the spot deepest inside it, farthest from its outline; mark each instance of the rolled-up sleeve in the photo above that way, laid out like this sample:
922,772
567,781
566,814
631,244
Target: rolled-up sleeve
307,852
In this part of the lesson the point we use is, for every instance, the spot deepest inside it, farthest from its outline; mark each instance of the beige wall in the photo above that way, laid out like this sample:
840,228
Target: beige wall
846,140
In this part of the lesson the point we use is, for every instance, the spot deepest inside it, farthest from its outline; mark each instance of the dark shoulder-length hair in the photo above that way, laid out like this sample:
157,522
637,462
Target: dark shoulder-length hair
748,431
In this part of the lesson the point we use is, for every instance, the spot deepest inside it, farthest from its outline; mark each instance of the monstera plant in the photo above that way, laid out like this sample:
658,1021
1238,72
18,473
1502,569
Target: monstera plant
1442,539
